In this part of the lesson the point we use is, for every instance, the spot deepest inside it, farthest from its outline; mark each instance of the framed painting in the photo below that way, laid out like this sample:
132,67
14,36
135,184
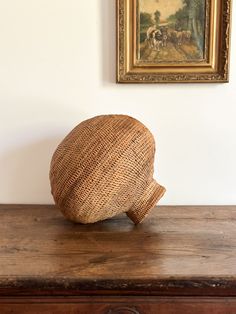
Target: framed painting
167,41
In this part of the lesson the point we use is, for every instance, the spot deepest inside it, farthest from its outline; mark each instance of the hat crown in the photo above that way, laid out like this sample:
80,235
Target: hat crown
101,167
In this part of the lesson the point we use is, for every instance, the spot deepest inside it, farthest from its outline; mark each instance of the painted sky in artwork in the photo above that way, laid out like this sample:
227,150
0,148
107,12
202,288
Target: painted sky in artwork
166,7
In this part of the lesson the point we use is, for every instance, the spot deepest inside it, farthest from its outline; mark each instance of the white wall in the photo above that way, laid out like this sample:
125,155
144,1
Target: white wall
57,67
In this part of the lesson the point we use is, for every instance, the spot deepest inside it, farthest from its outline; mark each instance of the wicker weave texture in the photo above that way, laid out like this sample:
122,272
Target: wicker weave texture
104,167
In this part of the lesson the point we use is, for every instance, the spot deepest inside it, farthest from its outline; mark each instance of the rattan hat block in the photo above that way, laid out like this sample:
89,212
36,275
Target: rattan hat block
104,167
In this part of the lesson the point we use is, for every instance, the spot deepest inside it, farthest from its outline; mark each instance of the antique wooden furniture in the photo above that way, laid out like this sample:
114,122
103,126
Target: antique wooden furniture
180,260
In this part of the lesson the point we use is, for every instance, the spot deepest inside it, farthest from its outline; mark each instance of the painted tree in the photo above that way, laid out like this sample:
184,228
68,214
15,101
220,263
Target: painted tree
145,19
145,22
157,16
191,17
196,12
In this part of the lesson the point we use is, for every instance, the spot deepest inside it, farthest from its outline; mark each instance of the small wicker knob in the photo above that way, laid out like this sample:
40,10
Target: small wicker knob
104,167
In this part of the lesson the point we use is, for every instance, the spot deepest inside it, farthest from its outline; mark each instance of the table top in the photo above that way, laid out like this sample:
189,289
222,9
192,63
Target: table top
176,247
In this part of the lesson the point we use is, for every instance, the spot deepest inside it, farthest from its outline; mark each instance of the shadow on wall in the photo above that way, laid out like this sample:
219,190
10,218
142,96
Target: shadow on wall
25,173
108,37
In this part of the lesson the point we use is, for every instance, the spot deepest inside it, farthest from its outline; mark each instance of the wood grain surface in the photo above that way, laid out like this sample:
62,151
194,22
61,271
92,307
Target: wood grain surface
177,251
119,305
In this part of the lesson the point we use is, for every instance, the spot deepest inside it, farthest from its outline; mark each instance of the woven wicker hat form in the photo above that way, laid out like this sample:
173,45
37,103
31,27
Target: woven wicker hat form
104,167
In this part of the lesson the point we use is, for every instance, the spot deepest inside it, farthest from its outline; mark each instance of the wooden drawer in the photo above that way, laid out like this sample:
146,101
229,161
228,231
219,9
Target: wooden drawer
50,266
118,305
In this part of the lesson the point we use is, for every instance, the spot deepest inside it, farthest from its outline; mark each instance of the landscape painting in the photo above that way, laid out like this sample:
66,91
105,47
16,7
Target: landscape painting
171,31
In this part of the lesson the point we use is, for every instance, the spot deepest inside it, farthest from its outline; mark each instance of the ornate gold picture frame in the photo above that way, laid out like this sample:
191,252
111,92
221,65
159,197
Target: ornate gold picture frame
172,41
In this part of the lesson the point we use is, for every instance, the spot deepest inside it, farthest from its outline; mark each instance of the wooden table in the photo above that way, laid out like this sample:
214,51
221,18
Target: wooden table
180,260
